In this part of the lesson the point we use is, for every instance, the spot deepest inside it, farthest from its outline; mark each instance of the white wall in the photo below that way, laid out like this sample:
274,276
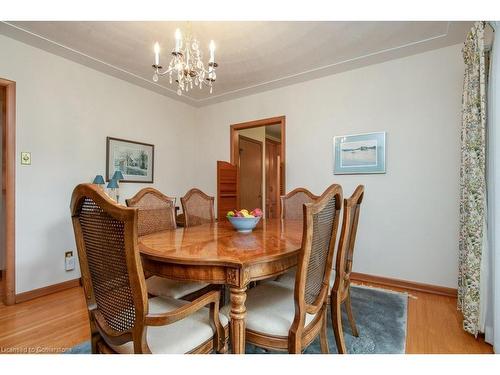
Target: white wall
409,219
64,113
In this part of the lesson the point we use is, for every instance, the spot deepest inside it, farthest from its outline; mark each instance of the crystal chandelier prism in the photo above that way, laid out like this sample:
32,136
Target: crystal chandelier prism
186,67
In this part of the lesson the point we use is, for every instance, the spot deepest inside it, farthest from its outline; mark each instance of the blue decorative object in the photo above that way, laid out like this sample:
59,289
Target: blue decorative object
244,224
359,153
98,180
118,176
112,184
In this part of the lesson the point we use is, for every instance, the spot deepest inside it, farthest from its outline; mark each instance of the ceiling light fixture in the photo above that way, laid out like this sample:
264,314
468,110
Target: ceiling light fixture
186,66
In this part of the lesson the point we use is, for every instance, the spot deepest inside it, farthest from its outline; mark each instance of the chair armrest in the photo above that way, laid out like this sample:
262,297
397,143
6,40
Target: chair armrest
170,317
211,298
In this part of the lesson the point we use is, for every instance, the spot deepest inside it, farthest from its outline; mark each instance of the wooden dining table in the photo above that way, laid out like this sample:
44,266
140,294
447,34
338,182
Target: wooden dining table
217,254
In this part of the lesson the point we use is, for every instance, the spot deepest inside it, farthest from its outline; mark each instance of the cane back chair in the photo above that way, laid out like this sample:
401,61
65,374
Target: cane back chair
156,212
283,318
341,282
122,319
197,207
291,203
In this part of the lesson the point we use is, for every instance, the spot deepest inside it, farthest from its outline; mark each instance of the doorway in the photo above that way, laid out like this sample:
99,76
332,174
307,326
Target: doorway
258,153
250,166
7,196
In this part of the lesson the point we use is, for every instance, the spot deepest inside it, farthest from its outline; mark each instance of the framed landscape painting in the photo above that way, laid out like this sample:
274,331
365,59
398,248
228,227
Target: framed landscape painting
134,159
359,153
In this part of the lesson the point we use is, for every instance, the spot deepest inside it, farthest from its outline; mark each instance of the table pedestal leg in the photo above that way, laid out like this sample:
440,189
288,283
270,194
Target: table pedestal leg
238,314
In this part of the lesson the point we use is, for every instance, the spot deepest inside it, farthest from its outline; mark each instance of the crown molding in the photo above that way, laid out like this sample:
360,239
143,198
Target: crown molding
437,41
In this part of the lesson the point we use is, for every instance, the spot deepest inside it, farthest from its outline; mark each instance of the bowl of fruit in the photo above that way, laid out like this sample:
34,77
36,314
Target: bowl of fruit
244,221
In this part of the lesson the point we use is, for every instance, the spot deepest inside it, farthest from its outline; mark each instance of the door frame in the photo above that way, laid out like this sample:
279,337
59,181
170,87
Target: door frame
280,173
233,142
238,164
9,181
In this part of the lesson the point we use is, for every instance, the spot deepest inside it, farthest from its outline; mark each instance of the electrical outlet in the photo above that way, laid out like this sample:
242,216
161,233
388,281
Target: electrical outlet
69,261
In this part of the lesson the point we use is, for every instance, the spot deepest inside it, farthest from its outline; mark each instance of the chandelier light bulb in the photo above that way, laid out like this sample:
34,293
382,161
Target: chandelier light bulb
178,38
212,51
157,53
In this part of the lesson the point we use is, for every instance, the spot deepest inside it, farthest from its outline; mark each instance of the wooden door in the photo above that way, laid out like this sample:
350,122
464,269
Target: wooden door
250,173
227,188
272,178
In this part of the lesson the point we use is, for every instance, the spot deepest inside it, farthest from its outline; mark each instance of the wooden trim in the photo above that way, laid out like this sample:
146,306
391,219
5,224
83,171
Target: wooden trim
233,138
9,176
26,296
404,284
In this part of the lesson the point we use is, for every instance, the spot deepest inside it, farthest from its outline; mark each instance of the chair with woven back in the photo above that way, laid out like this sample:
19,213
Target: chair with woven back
122,319
340,282
292,209
156,212
291,203
284,318
197,207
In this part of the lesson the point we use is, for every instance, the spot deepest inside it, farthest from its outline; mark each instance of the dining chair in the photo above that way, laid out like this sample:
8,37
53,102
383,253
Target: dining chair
292,209
156,212
291,203
197,207
283,318
340,282
122,319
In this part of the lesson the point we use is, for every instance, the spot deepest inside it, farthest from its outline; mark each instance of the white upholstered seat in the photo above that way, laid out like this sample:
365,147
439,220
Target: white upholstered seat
288,278
162,287
176,338
270,309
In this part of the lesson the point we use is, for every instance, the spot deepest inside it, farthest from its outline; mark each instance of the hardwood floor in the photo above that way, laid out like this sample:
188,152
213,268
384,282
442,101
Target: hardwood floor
58,321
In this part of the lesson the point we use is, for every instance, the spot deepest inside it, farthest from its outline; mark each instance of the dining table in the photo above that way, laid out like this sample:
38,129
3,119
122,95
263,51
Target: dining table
216,253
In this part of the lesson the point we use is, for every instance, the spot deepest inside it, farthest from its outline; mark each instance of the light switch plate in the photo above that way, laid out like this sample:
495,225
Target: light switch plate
26,158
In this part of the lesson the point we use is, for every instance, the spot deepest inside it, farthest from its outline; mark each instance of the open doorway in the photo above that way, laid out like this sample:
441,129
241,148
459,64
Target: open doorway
258,152
7,196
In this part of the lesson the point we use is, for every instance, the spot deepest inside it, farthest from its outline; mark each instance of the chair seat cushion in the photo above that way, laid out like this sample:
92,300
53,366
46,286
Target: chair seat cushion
176,338
288,278
270,309
162,287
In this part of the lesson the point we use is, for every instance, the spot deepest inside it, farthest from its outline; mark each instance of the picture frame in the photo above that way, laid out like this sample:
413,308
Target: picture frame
134,159
359,153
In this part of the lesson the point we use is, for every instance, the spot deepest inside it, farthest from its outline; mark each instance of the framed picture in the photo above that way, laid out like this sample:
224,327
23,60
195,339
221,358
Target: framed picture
359,153
134,159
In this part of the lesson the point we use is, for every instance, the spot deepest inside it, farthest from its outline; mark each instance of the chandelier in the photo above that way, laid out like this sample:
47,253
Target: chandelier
186,66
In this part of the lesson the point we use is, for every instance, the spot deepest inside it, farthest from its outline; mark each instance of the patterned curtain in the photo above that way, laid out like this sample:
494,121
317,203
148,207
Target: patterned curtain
472,179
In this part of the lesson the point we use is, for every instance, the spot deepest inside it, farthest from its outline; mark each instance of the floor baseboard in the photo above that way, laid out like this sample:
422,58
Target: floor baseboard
409,285
26,296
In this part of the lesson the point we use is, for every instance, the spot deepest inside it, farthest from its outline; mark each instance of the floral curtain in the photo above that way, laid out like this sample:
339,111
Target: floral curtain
472,179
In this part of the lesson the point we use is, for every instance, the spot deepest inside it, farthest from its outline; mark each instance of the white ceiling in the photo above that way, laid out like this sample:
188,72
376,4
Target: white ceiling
252,56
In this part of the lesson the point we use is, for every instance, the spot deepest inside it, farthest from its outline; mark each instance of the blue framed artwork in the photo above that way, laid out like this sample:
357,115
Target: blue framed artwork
359,153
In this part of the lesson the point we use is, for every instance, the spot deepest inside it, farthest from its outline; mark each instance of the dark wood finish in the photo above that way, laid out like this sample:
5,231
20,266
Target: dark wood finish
404,284
250,173
156,211
93,212
40,292
227,188
197,207
308,297
217,254
9,189
138,143
341,290
273,178
292,203
233,139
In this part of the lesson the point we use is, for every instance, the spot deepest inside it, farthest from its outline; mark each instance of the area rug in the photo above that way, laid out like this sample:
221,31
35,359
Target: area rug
380,317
